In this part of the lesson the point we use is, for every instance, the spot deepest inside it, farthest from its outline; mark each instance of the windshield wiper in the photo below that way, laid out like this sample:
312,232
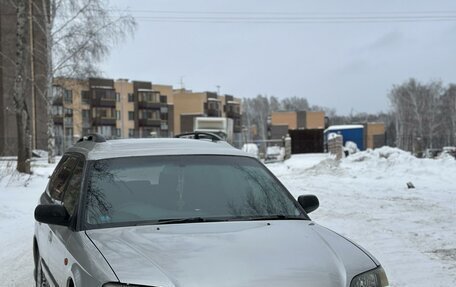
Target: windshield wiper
275,217
188,220
243,218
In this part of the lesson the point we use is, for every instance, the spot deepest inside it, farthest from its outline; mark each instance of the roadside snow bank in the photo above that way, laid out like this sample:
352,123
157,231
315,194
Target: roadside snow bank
19,194
365,197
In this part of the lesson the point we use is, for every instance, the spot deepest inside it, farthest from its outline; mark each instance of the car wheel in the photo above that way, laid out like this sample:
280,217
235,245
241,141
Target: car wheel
40,279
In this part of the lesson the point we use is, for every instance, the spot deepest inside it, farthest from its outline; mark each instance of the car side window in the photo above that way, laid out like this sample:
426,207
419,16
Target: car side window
61,177
71,197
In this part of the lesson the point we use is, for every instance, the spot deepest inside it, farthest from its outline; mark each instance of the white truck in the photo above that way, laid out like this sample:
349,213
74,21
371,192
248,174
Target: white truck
222,127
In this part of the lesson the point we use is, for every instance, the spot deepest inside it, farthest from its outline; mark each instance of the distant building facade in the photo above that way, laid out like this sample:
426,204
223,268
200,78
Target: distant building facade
299,120
132,109
115,109
189,105
304,127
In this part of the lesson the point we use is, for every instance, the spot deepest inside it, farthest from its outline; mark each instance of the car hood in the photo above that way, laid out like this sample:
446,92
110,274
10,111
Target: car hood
259,253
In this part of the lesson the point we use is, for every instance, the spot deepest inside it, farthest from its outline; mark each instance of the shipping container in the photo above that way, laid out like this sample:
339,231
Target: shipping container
353,133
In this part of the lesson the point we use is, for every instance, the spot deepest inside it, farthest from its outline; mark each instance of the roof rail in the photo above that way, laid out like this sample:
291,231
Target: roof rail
96,138
200,135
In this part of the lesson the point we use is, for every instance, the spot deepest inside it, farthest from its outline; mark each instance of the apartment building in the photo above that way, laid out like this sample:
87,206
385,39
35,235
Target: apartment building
299,120
70,111
189,105
115,109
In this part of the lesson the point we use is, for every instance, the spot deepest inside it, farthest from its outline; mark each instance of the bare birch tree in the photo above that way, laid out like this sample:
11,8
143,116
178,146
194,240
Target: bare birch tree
417,110
294,104
21,106
448,115
79,35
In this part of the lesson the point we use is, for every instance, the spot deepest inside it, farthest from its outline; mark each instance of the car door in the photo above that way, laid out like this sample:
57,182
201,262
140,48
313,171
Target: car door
63,234
43,231
56,189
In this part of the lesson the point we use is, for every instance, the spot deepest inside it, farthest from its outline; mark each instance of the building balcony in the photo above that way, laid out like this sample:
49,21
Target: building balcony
101,102
233,115
57,101
149,123
58,120
148,105
213,113
104,121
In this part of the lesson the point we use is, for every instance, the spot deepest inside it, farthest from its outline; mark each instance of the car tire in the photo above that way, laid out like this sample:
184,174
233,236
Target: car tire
40,279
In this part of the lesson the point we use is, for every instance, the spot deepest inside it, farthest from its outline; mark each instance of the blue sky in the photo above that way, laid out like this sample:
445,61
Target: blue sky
345,66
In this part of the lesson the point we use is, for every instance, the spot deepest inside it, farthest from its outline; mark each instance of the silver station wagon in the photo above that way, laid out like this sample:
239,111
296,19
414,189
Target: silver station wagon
184,213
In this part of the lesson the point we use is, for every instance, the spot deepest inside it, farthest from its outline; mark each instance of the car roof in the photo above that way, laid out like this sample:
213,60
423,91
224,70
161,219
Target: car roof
153,147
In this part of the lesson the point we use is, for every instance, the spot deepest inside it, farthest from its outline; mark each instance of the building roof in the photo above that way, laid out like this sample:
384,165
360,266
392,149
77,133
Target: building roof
153,147
343,127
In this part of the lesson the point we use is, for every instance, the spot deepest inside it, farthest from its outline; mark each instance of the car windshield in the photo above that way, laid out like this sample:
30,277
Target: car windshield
157,189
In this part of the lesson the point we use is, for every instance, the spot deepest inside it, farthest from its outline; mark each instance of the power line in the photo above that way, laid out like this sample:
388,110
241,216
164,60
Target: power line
227,17
284,13
233,17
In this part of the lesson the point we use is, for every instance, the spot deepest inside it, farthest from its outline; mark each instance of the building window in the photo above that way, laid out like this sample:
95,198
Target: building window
163,110
118,115
131,97
106,113
149,115
85,97
131,116
68,96
149,97
68,121
118,133
106,131
68,112
85,115
131,133
117,97
102,113
57,110
106,95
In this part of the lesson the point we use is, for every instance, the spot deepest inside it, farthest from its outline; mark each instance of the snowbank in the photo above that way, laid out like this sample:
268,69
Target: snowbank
365,197
19,194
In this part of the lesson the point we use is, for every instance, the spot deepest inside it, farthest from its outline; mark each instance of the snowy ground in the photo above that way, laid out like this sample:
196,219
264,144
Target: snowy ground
411,231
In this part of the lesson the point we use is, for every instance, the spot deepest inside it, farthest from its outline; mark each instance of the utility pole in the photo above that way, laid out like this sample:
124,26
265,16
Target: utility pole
182,86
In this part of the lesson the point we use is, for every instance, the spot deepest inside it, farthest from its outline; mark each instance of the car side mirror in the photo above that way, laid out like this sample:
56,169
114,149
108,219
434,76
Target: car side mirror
52,214
309,202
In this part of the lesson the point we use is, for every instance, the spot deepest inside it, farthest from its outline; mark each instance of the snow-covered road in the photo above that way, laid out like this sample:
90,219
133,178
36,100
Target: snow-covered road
411,231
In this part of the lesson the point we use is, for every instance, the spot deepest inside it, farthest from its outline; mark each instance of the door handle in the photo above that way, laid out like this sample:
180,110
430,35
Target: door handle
50,236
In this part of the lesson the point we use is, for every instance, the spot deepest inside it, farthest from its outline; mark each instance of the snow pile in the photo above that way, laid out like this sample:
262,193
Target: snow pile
19,195
351,147
385,153
365,197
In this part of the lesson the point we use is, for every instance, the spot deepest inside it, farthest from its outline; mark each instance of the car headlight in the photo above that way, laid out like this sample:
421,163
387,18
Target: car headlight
372,278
